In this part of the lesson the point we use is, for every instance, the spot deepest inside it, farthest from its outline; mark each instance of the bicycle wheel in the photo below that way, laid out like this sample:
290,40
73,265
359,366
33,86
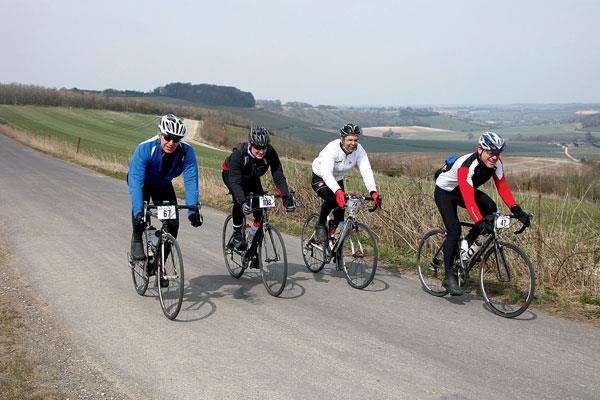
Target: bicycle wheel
312,253
507,280
430,262
273,261
358,255
170,277
138,269
233,258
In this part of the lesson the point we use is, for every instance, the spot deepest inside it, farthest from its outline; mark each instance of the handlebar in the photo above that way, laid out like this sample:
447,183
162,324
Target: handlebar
364,198
512,216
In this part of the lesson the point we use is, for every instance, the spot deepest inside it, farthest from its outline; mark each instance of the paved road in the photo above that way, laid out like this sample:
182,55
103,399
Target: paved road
70,228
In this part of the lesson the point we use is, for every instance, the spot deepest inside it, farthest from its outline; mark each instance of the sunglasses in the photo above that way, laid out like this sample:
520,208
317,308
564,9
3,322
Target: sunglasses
259,148
171,138
493,153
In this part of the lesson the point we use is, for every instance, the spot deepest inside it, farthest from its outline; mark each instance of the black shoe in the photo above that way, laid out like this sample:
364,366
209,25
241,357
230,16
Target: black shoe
238,241
164,282
321,233
137,250
254,264
451,284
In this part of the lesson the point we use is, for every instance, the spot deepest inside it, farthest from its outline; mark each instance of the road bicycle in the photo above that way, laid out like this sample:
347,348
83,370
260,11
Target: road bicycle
506,277
163,259
264,251
353,251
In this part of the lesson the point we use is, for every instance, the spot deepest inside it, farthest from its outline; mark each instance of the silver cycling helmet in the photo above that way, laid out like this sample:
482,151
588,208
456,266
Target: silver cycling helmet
491,141
350,129
171,125
258,136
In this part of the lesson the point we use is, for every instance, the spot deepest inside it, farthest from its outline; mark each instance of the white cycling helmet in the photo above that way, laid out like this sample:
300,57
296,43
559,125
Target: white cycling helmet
171,125
491,141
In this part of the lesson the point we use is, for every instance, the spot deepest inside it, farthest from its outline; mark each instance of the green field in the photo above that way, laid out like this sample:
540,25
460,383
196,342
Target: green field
101,132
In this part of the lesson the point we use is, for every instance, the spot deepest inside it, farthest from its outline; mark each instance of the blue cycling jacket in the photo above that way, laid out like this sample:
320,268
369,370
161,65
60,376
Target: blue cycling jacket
145,166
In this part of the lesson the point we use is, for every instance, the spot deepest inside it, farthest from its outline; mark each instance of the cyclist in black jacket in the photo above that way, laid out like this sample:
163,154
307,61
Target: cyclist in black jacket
242,170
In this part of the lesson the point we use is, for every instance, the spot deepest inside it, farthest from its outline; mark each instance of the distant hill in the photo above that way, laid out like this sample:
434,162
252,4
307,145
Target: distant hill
214,95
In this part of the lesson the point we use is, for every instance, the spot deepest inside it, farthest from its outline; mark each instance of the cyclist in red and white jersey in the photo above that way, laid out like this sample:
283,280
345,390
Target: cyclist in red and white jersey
458,186
329,169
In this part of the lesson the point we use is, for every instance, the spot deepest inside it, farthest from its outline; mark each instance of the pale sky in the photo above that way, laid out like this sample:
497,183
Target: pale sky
371,52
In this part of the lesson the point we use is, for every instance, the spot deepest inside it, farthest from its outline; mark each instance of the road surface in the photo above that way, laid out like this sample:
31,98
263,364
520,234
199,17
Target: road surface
69,229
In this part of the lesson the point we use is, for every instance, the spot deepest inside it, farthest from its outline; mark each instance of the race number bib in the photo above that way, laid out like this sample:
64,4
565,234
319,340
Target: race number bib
266,201
503,222
354,203
166,212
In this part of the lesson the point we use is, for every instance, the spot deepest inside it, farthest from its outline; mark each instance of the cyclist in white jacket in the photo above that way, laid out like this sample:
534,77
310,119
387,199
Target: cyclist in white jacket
329,169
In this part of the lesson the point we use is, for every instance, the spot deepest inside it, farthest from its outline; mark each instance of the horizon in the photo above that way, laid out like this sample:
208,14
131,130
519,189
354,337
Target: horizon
335,52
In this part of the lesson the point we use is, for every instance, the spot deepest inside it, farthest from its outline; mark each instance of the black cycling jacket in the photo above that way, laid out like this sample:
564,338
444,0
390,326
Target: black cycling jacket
242,165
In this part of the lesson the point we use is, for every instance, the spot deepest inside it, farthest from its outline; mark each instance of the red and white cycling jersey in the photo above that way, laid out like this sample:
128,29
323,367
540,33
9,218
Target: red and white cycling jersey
468,173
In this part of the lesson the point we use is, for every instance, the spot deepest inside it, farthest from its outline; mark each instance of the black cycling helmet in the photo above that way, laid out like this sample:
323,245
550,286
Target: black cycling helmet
350,129
258,137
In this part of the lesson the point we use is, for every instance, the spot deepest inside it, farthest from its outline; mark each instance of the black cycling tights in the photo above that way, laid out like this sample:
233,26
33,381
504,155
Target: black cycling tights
329,202
249,185
447,203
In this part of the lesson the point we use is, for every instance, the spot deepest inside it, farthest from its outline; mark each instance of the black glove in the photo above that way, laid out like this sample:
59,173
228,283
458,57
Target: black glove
195,218
289,203
486,225
247,206
521,215
138,223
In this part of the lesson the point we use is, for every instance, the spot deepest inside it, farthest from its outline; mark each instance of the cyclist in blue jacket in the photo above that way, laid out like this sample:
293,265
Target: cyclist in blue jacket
154,164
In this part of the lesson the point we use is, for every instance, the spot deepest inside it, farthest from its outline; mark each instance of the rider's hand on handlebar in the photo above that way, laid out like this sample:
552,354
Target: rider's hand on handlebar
521,215
340,198
138,223
376,199
195,218
485,225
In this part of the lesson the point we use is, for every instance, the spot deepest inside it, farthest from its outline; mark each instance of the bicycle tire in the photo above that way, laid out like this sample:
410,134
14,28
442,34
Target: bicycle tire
138,269
233,259
273,263
171,295
358,255
507,280
313,255
430,262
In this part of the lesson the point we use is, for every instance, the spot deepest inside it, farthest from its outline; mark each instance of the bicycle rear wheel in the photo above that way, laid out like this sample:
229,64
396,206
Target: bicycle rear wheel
233,258
273,261
358,255
170,277
138,269
312,253
430,262
507,280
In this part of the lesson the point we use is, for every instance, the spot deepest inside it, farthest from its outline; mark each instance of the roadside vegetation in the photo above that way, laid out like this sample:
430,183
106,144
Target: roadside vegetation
564,242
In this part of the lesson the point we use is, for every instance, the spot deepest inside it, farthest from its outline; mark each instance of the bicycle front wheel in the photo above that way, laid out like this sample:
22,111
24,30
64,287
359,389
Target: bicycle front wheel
170,277
430,262
312,252
273,261
507,280
138,269
358,255
233,258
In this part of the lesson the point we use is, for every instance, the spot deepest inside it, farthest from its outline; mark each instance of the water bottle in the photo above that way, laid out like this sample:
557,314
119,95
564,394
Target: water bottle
152,241
251,231
341,226
467,252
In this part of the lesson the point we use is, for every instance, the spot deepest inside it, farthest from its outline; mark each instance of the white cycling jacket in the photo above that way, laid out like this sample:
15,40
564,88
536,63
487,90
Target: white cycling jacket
333,163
